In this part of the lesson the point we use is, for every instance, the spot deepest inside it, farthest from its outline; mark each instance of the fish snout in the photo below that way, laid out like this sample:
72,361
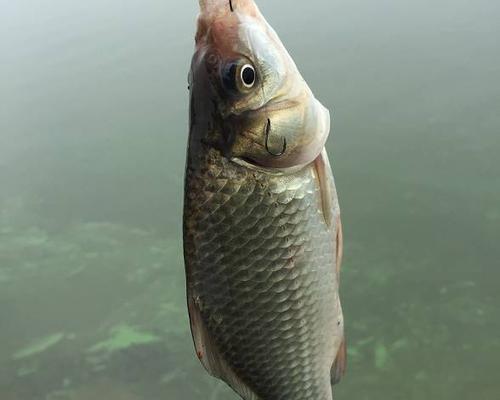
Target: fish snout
220,7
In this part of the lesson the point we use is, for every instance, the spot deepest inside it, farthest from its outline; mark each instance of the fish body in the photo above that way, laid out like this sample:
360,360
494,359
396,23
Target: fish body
262,230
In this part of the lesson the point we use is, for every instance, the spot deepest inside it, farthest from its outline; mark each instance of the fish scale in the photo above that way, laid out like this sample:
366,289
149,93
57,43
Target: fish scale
259,264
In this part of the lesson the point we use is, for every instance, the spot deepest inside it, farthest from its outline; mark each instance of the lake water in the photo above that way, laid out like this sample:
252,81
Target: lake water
93,129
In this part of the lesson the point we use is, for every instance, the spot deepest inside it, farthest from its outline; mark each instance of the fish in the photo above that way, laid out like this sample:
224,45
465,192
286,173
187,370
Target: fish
262,230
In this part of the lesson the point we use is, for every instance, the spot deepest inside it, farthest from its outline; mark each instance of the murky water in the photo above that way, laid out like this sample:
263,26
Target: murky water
93,127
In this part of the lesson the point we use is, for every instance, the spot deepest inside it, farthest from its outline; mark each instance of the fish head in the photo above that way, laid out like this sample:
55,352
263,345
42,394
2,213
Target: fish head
252,90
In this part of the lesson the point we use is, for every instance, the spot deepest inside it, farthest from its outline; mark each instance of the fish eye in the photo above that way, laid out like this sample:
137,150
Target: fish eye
238,77
247,75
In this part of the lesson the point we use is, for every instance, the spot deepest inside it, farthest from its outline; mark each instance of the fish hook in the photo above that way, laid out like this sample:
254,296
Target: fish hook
231,5
268,132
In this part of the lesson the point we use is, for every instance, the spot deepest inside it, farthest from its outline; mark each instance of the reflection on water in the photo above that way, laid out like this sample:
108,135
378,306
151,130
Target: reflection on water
92,140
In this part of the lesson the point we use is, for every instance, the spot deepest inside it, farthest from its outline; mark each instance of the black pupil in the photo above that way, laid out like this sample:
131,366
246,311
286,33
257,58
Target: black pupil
248,76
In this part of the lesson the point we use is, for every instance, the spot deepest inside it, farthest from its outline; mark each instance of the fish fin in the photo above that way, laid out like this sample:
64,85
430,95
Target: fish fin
331,213
329,203
339,247
340,364
323,173
209,355
201,339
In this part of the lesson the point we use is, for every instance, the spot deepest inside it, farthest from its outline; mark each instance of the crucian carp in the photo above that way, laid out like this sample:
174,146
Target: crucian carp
262,228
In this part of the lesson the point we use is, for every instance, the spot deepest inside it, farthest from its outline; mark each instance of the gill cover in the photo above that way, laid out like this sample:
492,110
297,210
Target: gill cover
270,118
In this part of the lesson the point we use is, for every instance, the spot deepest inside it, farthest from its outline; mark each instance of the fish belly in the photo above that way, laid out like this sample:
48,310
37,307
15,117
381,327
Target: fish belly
260,264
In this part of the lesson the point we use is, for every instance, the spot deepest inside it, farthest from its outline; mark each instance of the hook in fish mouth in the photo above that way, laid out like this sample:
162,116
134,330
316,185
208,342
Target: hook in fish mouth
231,5
268,132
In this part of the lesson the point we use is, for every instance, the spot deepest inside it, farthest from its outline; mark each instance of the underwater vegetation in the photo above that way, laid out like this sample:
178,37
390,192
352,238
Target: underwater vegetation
97,310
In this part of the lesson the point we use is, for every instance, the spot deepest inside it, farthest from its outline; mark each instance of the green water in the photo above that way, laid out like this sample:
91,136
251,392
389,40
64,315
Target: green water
93,127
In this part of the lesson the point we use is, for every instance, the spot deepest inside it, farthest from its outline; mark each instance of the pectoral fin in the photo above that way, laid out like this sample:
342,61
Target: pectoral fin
329,202
339,247
324,175
331,214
